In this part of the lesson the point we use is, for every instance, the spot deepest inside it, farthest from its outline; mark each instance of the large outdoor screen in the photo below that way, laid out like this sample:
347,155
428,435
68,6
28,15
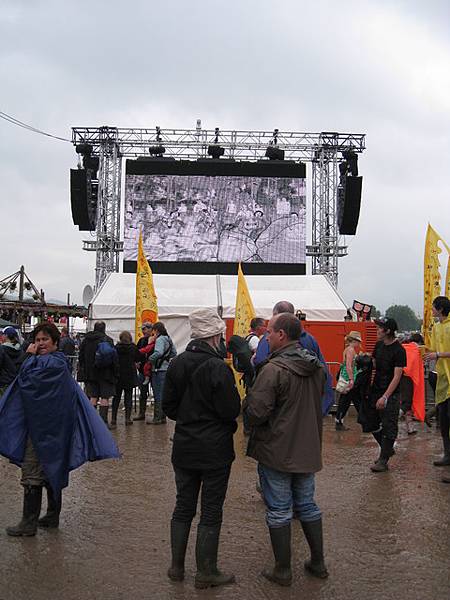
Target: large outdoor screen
207,216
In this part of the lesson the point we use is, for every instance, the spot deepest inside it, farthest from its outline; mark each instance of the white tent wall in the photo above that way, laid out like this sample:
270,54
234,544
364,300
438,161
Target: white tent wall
178,295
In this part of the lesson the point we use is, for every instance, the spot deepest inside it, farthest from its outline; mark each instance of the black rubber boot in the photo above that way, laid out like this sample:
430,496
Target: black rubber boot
445,460
114,411
51,519
387,450
32,500
314,536
142,409
280,538
179,535
103,412
206,548
128,419
159,418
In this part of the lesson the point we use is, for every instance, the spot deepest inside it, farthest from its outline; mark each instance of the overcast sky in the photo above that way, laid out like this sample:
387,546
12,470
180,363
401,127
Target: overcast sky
375,67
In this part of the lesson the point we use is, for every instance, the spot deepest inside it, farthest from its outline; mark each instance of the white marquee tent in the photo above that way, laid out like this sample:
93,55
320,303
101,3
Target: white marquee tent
178,295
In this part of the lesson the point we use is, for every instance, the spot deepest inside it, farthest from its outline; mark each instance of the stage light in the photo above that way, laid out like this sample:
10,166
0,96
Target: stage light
274,153
352,160
85,149
156,150
272,150
216,151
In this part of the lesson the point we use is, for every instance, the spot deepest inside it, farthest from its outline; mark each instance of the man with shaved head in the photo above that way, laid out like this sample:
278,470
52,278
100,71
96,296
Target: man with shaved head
306,341
284,410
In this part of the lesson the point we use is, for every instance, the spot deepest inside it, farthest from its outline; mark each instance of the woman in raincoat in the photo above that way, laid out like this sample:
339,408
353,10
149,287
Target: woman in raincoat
48,427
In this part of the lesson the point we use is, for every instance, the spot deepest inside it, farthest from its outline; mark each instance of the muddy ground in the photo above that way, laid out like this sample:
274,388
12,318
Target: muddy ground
387,536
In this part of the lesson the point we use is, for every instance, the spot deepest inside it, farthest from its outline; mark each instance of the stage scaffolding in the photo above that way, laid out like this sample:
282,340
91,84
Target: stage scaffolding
323,150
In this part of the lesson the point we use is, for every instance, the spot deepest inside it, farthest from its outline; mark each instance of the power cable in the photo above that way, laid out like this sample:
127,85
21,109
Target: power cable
15,121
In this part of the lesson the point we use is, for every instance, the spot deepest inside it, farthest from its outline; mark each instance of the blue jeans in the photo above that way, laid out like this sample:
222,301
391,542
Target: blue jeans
287,496
158,378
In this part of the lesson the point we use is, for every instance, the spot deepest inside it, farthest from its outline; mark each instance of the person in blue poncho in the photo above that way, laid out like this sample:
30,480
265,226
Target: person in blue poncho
306,341
48,427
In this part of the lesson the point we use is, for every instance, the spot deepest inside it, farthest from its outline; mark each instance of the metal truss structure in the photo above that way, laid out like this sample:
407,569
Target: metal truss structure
323,150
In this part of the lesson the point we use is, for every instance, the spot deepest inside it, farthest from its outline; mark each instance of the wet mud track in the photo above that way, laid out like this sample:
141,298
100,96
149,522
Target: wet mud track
387,536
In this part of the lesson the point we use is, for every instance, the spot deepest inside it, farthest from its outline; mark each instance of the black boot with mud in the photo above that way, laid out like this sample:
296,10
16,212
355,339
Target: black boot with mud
208,575
280,538
314,536
179,535
51,519
32,500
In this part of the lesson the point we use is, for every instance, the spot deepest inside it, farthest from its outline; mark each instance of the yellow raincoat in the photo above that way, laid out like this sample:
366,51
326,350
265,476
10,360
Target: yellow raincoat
440,342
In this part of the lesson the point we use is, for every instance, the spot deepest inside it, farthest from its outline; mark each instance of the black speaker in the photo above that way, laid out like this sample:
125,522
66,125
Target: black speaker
83,199
349,204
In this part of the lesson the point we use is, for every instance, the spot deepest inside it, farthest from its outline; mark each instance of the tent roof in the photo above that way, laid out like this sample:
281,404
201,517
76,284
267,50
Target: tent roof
178,295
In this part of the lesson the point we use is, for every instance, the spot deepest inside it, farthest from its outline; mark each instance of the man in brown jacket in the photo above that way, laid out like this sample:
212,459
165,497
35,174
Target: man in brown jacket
284,410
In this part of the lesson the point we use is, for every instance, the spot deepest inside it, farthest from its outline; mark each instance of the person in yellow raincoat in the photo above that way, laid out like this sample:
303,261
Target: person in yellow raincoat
440,352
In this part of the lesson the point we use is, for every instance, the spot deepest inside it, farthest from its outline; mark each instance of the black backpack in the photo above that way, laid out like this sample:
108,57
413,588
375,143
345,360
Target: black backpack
241,354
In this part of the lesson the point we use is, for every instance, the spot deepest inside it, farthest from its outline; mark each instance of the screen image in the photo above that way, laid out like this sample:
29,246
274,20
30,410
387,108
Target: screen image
215,220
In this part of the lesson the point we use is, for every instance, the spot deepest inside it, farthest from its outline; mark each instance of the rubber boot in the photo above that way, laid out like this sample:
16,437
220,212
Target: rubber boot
159,418
206,548
51,519
128,419
114,411
314,536
387,450
445,460
410,429
142,409
103,412
32,500
280,538
179,535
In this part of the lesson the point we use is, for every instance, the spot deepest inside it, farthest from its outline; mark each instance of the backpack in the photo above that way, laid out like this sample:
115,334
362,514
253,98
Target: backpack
104,355
241,354
168,355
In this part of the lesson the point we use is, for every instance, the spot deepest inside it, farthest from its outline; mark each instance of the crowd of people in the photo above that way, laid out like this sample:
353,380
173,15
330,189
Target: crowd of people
289,392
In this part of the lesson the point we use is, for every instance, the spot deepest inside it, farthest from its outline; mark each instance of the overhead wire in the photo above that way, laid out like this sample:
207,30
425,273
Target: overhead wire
15,121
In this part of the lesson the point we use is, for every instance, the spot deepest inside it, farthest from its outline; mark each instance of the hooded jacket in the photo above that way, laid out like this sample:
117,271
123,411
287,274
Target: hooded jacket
128,357
86,359
200,395
284,409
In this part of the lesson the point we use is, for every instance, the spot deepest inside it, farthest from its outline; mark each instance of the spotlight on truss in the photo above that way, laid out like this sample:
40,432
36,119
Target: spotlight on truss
216,151
274,153
156,150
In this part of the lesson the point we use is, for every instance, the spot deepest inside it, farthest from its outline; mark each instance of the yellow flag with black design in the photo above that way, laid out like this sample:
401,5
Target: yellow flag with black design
146,299
245,310
431,280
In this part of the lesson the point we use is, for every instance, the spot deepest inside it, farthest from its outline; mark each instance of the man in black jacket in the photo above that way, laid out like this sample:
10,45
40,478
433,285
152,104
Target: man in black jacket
100,380
201,396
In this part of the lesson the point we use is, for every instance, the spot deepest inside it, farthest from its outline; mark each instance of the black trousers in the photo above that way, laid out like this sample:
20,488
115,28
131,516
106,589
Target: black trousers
444,419
128,398
213,485
143,395
382,422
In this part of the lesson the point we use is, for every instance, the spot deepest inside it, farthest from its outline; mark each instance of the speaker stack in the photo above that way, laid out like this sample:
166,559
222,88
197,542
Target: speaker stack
83,198
349,204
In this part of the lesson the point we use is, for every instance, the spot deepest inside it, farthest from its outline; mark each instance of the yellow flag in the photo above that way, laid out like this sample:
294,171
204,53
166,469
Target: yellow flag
447,279
431,280
243,314
245,311
146,300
